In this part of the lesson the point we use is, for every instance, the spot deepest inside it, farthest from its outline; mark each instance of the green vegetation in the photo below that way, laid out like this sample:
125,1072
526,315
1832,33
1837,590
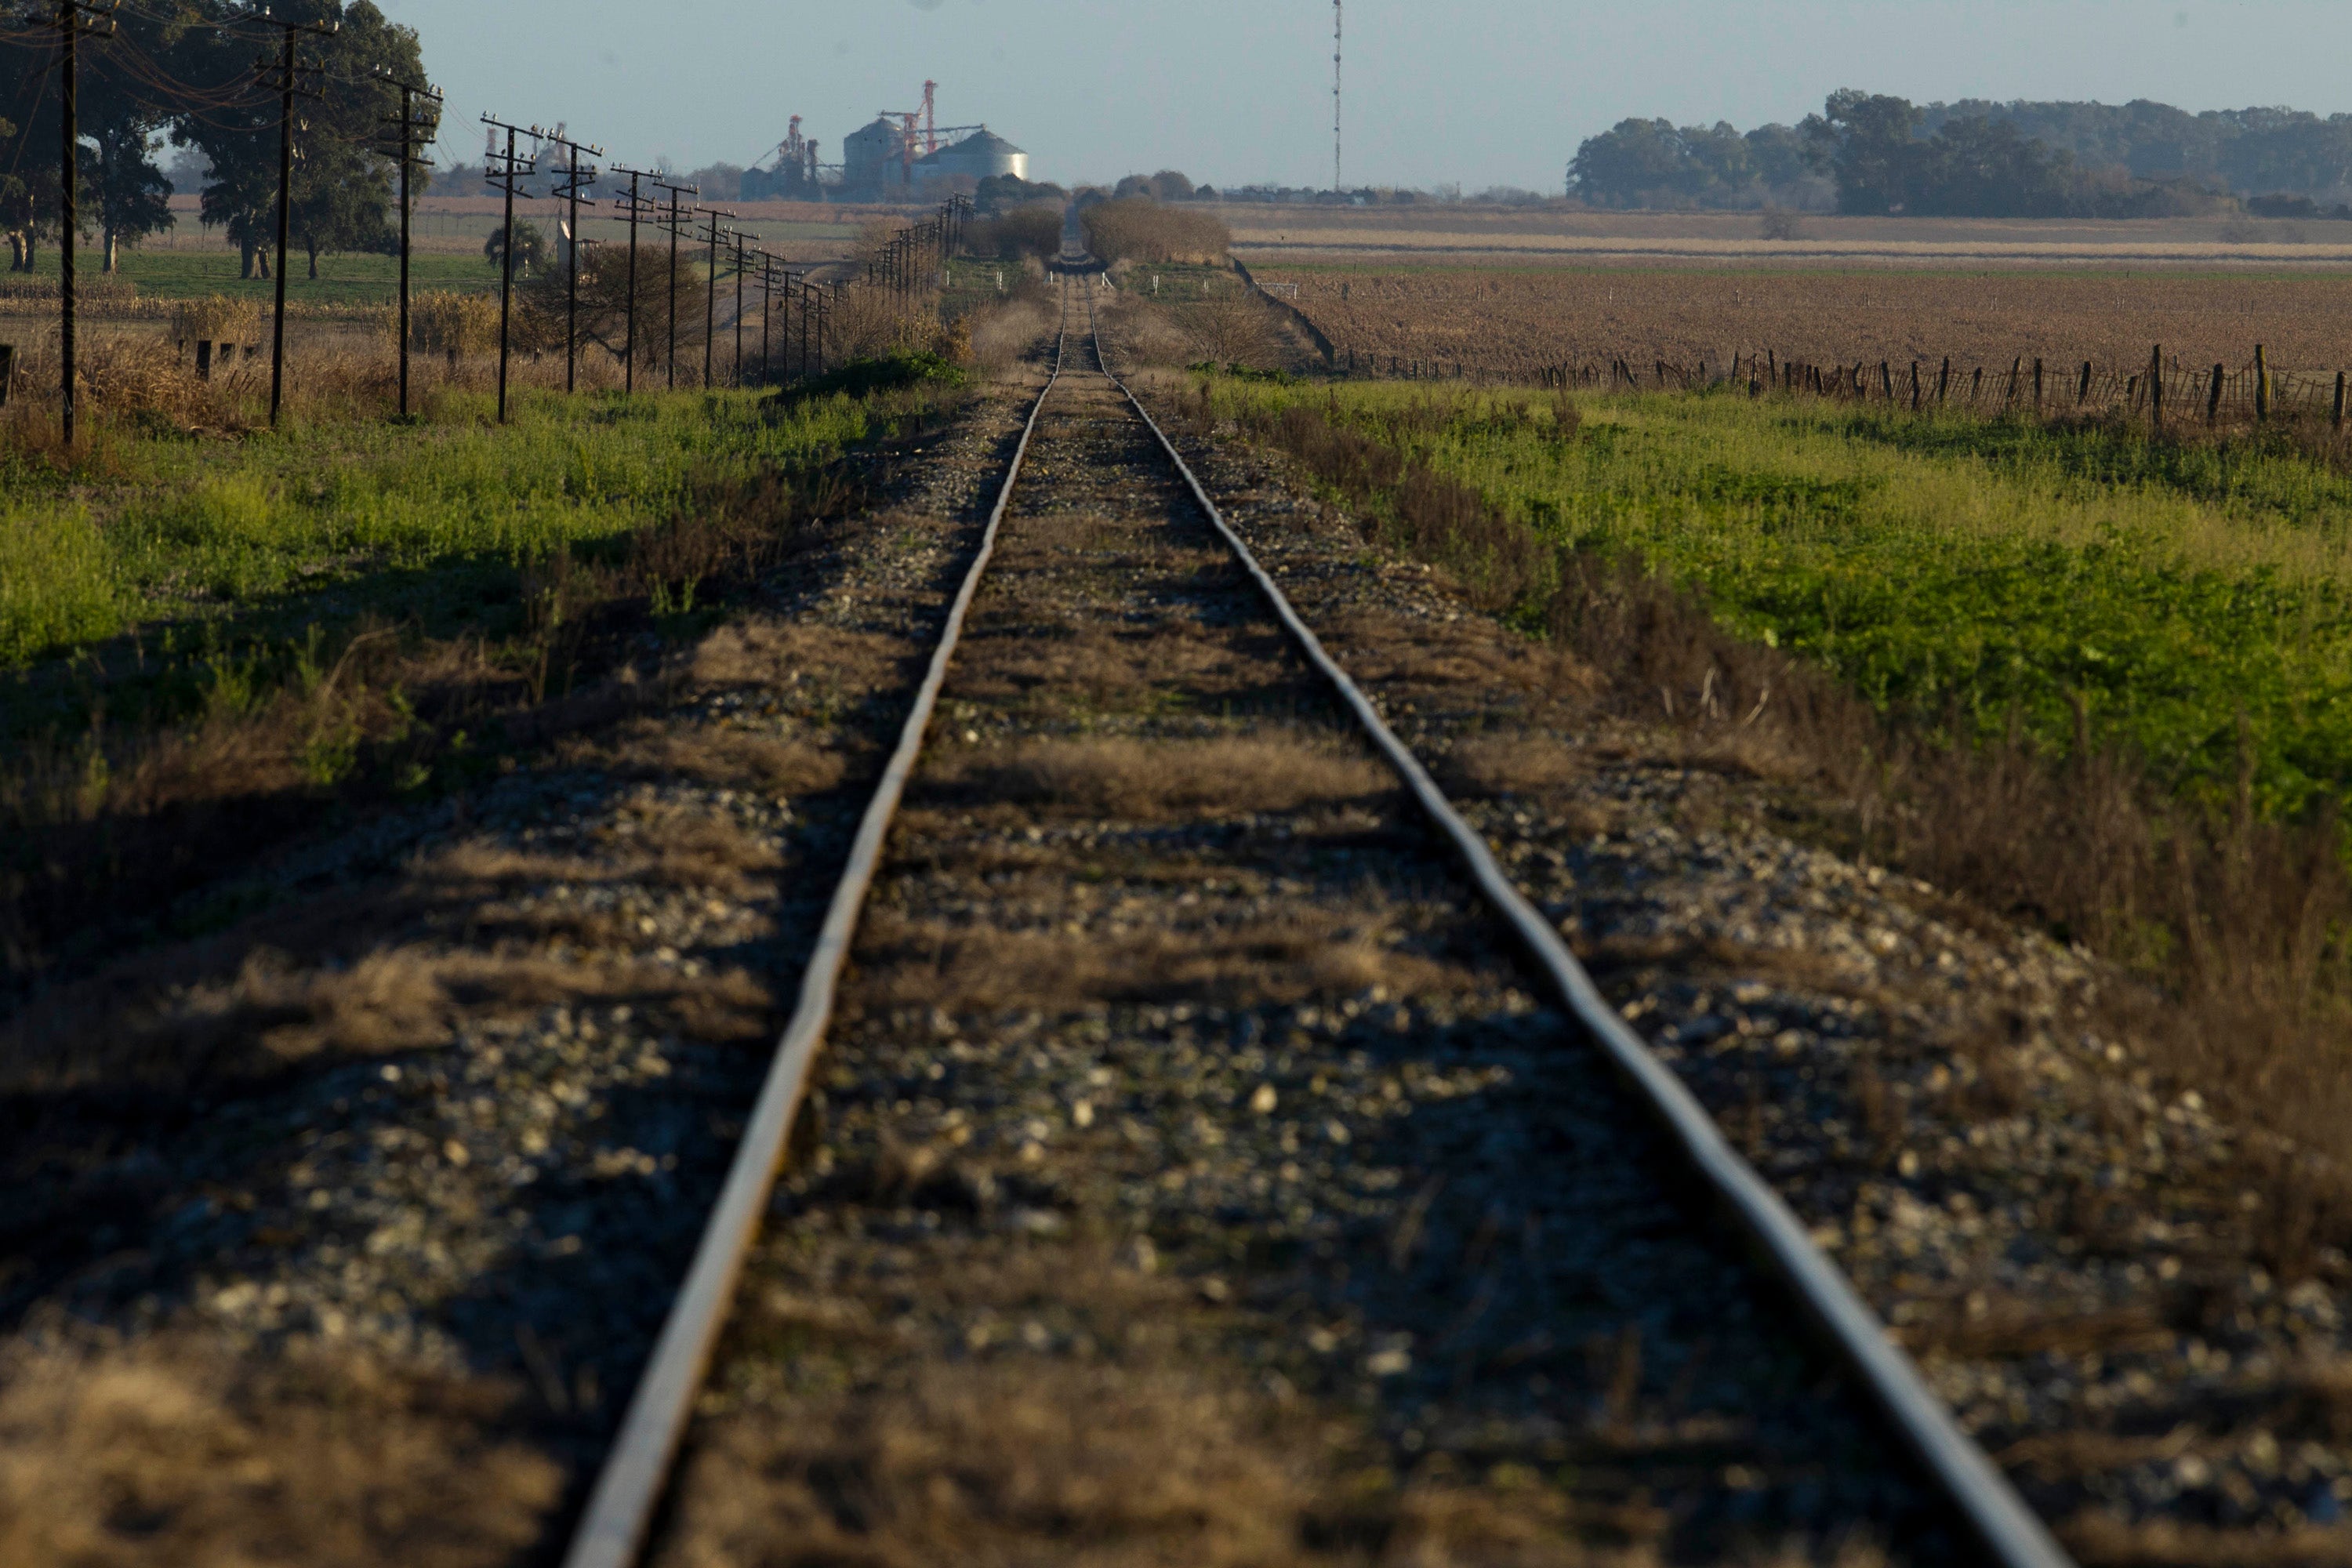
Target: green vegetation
343,280
203,547
2191,602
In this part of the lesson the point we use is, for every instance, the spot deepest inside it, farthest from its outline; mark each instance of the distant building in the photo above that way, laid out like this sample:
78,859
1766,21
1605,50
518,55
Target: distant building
981,155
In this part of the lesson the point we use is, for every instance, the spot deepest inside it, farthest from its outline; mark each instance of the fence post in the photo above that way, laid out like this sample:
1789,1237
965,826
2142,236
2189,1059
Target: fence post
1915,387
2037,389
2261,384
1944,380
2155,388
2082,393
2339,400
2214,398
1887,380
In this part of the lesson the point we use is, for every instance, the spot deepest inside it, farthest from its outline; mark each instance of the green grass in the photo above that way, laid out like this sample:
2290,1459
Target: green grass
342,281
2194,601
168,548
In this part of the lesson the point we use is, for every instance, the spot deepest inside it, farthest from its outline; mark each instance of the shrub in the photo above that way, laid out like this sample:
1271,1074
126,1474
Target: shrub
1033,230
1136,228
460,324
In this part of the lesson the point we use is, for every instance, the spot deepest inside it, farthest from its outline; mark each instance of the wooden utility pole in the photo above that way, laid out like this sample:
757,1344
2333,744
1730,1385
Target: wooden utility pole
638,205
576,179
410,128
512,171
75,17
289,87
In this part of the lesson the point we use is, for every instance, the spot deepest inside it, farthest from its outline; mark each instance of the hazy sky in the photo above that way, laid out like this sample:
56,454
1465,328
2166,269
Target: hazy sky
1233,91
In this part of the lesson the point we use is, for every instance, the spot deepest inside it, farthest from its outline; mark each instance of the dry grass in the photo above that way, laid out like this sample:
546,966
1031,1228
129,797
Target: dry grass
938,962
1158,1455
648,749
2098,1540
1526,764
1514,323
178,1455
356,975
1144,780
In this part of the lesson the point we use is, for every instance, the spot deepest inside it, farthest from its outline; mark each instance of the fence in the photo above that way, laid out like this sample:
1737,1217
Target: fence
2162,389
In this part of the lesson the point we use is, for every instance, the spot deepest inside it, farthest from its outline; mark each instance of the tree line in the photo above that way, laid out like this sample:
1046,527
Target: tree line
1872,152
201,74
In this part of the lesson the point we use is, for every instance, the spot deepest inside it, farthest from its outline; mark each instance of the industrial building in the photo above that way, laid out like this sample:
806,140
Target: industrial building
902,154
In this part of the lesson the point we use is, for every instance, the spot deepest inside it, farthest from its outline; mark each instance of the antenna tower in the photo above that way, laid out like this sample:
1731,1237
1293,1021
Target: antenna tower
1337,20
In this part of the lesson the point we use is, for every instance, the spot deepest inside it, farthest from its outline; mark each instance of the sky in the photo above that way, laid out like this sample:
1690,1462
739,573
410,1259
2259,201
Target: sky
1474,92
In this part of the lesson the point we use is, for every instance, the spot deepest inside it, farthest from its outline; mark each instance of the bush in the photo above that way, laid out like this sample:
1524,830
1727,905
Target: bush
1136,228
1033,230
460,324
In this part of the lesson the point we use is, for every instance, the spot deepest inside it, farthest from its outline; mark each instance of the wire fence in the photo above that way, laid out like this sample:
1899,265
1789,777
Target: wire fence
2162,388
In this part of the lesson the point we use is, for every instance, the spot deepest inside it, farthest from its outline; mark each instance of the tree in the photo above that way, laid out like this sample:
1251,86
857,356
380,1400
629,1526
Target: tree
343,184
530,247
1870,142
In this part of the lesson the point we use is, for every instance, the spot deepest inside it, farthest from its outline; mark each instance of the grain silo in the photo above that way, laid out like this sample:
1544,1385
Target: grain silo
874,160
981,155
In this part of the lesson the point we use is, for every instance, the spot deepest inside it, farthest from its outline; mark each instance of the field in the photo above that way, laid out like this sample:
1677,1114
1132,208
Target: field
1558,233
1512,321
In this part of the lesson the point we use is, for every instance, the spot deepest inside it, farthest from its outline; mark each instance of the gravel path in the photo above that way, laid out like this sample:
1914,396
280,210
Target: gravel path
2069,1247
1195,1178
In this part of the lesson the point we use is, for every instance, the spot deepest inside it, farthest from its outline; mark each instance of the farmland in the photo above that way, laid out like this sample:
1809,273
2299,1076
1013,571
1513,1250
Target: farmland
1510,321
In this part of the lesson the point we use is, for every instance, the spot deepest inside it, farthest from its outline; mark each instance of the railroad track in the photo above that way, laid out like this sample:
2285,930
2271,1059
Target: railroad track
1122,685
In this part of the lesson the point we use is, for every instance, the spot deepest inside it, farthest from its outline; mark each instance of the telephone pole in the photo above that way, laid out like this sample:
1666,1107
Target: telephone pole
711,298
739,238
674,223
289,87
512,171
576,179
411,127
638,205
75,17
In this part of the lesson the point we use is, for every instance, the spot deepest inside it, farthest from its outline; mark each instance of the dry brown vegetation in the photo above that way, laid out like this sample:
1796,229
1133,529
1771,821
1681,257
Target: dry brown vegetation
1514,323
1136,228
181,1452
1151,1455
355,976
1132,779
2227,921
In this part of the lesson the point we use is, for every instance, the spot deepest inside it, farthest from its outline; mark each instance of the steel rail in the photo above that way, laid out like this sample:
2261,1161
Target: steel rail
629,1488
2010,1531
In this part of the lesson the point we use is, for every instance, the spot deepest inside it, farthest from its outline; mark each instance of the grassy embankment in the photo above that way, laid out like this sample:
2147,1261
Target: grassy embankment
2192,603
205,642
2099,681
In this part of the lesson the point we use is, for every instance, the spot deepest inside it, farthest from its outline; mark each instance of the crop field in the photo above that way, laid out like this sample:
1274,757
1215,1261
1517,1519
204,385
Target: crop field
1559,233
1511,321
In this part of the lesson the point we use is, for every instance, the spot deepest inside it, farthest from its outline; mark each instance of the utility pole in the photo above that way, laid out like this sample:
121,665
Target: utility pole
636,206
512,170
75,17
289,89
670,309
576,179
410,127
710,299
737,236
767,311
